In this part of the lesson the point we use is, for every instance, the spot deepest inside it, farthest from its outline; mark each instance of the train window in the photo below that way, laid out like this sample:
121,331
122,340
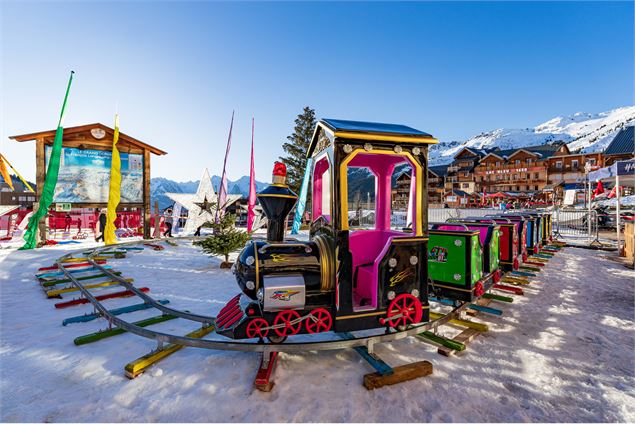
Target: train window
361,198
401,189
321,198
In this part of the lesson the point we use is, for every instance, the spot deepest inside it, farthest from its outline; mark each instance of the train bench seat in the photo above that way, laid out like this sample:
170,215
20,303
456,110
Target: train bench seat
368,247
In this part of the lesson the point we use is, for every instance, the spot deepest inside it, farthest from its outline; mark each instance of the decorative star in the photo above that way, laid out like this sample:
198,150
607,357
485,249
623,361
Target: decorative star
205,206
201,205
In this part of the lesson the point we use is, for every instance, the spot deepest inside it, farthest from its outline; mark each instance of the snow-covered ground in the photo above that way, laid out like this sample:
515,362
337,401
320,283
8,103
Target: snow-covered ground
563,352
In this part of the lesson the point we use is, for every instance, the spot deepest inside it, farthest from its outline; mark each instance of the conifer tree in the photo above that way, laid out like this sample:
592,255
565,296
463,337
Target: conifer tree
297,146
226,238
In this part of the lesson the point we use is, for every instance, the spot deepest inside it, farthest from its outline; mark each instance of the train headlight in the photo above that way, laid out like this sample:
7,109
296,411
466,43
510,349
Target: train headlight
250,260
392,262
250,285
398,149
391,295
415,293
414,260
260,295
416,151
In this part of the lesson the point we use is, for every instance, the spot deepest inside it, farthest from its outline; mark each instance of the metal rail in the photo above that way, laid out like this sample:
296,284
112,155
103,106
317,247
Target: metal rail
161,338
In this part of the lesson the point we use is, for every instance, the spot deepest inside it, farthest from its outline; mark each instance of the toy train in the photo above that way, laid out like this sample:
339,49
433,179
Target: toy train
342,279
346,278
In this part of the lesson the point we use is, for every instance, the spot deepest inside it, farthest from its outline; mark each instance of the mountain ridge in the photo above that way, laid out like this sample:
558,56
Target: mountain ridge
582,131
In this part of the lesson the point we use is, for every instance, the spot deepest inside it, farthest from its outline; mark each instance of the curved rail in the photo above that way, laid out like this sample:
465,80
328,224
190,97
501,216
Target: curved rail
234,345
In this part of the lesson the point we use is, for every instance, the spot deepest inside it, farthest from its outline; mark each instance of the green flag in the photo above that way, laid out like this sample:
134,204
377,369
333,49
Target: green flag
50,181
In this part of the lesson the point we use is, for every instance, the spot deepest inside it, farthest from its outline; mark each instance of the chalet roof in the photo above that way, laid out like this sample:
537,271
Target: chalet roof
439,170
622,143
368,131
82,128
543,151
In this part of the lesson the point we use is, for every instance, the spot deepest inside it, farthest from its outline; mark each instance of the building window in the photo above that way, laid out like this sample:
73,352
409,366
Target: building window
559,164
517,161
535,187
574,164
465,185
536,175
591,161
528,160
498,164
517,188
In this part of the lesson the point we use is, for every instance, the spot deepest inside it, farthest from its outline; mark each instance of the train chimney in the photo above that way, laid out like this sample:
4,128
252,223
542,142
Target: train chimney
277,200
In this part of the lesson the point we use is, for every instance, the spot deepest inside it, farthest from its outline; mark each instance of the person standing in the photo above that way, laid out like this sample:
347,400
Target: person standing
67,222
168,223
102,225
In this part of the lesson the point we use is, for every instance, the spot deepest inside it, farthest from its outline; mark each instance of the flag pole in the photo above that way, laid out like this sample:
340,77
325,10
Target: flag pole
222,192
50,180
114,191
251,204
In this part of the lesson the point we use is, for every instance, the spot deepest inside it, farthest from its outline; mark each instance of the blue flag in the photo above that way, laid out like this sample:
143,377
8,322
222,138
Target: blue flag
299,210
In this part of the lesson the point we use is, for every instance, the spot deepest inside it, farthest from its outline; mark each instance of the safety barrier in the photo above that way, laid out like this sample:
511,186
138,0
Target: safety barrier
576,222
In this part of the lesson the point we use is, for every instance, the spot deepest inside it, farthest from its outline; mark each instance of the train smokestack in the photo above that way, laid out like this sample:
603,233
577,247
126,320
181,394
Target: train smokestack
277,200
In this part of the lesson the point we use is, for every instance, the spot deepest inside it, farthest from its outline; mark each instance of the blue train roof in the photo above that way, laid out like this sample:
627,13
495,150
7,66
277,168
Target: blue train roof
372,127
371,131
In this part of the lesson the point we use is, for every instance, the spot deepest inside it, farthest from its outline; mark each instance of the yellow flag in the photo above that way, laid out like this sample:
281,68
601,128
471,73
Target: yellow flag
5,173
114,193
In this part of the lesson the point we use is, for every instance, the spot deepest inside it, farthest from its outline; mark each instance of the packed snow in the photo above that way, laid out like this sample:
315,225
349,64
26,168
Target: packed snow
563,352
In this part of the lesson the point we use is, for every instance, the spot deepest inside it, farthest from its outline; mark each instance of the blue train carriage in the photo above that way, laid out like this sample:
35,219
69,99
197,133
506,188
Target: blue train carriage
359,270
463,259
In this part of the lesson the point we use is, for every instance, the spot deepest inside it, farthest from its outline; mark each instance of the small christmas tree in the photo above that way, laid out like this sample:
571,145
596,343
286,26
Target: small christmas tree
226,238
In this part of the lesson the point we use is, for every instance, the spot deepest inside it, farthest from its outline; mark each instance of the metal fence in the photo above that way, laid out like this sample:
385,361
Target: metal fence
577,223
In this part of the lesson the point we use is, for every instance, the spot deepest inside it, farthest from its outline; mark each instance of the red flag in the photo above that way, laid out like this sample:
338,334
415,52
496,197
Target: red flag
222,191
598,190
613,192
252,185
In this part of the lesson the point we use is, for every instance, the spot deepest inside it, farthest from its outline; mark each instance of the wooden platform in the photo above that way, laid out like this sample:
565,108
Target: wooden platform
402,373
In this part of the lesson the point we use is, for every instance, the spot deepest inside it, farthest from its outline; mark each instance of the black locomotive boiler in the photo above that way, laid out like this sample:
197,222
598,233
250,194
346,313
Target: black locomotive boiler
346,277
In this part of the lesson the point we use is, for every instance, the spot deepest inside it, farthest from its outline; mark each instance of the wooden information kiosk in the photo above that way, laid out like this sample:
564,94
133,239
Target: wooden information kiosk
85,169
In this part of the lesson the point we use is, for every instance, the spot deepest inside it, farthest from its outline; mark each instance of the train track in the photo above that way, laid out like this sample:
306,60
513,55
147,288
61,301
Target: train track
206,321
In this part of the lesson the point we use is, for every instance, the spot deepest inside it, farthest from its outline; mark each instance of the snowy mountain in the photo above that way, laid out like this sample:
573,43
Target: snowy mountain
159,186
585,132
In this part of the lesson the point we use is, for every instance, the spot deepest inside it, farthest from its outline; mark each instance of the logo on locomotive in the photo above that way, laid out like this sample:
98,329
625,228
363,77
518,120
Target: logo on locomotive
279,257
283,295
401,276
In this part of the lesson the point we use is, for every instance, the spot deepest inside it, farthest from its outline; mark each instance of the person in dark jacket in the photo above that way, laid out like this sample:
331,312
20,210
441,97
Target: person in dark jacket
67,222
168,223
102,225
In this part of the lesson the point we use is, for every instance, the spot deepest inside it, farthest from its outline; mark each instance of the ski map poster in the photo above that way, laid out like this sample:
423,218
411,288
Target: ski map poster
84,176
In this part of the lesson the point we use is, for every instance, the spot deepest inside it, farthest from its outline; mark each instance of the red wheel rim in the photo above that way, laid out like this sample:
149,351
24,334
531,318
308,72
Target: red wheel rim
409,309
323,321
284,319
257,327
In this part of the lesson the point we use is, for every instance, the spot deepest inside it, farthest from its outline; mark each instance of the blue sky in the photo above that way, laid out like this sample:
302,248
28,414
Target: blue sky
176,70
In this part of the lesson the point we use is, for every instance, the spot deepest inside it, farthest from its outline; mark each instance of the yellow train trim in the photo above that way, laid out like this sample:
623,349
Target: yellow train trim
370,314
